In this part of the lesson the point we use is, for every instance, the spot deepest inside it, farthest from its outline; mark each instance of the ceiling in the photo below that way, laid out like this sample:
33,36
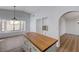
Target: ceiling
39,11
72,15
31,9
42,10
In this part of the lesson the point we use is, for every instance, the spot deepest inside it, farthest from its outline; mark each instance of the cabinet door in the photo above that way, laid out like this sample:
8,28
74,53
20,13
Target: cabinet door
29,47
52,48
33,49
26,46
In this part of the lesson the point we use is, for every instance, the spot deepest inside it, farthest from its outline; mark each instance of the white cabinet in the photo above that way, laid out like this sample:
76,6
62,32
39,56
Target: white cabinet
29,47
52,48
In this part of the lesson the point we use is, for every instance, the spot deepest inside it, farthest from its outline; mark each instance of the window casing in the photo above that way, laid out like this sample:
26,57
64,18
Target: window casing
12,25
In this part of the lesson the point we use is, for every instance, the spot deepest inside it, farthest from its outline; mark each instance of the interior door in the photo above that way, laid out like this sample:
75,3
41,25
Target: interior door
39,26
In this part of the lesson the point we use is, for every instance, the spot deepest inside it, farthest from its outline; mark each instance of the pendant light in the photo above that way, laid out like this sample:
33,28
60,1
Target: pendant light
14,18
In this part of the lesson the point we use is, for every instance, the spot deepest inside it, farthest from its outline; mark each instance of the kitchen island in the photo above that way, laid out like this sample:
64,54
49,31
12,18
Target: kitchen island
37,42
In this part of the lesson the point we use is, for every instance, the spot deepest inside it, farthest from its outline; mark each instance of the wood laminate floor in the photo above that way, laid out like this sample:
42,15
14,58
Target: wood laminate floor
69,43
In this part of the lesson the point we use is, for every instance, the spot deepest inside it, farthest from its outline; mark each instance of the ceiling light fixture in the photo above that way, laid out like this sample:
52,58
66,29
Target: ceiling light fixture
14,18
78,22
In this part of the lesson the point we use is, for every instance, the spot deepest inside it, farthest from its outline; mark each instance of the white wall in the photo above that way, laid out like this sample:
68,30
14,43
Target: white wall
33,23
54,13
62,26
72,27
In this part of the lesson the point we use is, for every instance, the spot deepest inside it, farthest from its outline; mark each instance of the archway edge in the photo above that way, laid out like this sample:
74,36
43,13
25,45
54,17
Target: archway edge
63,14
66,13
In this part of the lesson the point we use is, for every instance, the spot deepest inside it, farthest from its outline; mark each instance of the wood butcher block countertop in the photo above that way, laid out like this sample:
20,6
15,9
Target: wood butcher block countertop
40,41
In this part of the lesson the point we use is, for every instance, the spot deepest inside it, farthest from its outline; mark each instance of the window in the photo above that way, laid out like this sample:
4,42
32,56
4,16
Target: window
3,23
17,25
9,25
12,25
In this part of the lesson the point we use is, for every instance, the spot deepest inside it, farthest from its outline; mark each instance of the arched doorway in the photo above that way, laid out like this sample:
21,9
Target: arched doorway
68,24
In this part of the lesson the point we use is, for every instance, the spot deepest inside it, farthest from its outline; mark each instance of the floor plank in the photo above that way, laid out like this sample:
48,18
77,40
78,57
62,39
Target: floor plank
69,43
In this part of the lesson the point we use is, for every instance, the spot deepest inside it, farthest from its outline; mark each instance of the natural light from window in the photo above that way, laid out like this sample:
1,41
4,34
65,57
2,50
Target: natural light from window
12,25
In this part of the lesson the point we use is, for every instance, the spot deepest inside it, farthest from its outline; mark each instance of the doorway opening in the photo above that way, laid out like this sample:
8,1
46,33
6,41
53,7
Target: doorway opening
69,31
